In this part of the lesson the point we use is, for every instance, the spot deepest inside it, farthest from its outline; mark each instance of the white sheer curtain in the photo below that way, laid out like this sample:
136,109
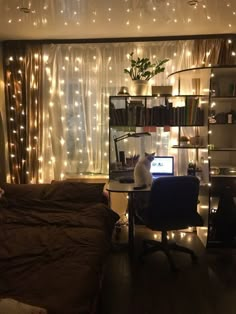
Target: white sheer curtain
78,80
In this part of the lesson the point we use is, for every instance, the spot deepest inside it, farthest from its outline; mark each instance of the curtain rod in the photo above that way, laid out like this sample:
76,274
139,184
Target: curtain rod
124,39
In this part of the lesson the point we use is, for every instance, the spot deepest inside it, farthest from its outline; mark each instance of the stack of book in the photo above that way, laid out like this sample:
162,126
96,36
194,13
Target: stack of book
137,115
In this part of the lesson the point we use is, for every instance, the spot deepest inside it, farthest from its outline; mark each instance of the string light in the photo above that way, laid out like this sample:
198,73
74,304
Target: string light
75,107
167,12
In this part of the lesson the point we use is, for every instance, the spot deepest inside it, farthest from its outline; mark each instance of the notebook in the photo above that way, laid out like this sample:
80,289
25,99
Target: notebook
162,166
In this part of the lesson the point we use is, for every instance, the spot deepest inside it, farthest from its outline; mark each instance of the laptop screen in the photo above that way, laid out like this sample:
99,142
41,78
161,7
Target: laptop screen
162,165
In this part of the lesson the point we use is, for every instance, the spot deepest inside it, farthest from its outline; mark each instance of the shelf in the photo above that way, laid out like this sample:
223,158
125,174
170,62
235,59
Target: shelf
155,125
189,125
222,176
223,97
222,123
189,147
158,96
222,149
130,96
188,96
125,126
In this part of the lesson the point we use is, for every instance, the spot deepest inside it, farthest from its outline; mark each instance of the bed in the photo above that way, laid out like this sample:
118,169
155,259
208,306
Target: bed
54,243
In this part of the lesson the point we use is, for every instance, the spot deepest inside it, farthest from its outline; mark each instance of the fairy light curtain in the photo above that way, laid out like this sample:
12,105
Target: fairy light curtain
207,52
23,100
78,80
34,113
75,120
57,100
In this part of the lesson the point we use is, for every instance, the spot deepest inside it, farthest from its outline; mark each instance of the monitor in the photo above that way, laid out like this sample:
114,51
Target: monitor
162,166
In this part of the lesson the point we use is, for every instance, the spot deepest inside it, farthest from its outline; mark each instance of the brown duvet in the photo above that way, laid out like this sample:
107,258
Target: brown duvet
52,252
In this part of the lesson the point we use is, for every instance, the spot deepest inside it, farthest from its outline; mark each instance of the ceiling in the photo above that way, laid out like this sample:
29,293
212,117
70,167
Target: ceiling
88,19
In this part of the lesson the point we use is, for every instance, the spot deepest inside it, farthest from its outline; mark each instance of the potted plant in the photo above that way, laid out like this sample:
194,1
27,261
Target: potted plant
142,70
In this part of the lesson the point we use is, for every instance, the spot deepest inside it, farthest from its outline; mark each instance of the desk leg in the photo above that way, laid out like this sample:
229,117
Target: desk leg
131,223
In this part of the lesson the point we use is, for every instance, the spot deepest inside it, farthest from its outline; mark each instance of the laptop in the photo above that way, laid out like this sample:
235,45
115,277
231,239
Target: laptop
162,166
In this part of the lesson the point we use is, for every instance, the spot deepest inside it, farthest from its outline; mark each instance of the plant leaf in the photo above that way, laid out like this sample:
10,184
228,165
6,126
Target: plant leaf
143,68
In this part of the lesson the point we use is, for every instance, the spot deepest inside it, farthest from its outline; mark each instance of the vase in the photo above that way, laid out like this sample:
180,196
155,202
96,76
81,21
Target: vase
140,87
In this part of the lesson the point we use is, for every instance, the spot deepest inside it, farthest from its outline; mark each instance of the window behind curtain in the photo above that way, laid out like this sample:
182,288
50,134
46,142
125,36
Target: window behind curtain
78,80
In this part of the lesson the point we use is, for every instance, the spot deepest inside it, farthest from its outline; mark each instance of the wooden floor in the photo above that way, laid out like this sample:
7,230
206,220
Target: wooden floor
208,287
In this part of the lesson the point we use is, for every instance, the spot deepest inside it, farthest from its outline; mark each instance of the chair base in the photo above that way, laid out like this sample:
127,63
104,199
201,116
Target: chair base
151,246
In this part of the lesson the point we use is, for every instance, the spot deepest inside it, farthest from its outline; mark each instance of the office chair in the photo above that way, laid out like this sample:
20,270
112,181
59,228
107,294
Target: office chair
172,206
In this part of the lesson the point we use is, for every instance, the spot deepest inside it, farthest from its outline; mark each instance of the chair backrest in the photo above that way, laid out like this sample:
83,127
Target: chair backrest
173,203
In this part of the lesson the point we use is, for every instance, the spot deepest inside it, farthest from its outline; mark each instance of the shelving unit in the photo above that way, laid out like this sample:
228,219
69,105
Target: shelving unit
172,115
195,82
203,109
217,201
222,157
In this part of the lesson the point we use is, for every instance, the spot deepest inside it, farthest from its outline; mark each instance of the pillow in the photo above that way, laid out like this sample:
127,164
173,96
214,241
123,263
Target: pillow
26,192
74,191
